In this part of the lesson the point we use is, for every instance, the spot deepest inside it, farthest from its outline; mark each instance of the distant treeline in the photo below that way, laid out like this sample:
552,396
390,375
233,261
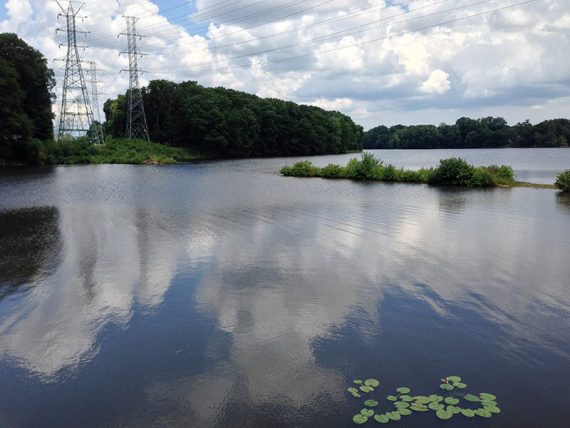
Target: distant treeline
488,132
224,122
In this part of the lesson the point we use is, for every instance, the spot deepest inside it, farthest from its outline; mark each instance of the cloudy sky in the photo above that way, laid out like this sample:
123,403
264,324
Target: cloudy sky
381,62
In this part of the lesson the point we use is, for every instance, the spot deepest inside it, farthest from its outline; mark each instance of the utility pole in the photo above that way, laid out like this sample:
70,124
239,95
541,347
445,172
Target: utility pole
76,115
95,101
136,119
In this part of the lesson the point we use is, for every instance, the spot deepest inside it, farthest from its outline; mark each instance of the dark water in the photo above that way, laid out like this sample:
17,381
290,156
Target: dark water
222,294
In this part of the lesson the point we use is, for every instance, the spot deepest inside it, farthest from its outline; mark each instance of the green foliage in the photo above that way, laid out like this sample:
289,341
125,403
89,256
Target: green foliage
487,132
367,168
26,85
227,123
457,172
405,405
301,169
563,181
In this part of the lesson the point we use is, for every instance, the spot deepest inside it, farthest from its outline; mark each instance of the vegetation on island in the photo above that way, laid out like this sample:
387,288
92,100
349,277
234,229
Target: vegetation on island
563,181
222,122
487,132
453,402
450,172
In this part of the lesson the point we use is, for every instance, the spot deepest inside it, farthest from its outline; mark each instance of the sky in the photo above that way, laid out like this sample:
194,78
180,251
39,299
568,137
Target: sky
380,62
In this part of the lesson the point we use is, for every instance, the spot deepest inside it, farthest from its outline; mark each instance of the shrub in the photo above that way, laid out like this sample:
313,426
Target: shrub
503,174
300,169
390,173
332,171
453,172
482,178
563,181
367,168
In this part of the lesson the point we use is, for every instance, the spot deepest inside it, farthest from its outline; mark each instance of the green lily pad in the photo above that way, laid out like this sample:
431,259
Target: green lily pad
436,406
453,379
487,396
451,400
372,382
404,412
492,409
460,385
419,408
435,398
401,405
446,386
391,398
383,419
488,403
366,388
357,381
359,419
403,390
472,398
443,414
483,413
406,398
367,412
421,399
395,416
453,410
468,413
371,403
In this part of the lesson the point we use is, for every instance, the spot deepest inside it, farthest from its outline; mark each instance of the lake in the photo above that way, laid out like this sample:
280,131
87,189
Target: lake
221,294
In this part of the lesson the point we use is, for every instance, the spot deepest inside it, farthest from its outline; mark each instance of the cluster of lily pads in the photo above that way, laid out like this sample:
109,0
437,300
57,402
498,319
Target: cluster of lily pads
404,404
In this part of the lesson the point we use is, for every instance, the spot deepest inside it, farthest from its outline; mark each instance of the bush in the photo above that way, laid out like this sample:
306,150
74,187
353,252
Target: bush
482,178
332,171
563,181
452,172
300,169
367,168
503,174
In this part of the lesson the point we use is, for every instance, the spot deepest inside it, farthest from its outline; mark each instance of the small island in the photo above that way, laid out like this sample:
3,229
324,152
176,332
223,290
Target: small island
449,172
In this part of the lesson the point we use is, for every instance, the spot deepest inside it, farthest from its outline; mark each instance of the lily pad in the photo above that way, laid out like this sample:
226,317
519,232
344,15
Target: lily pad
492,409
460,385
472,398
391,398
435,398
403,390
483,413
487,396
371,403
406,398
367,412
383,419
366,388
395,416
357,381
401,405
404,412
419,408
359,419
421,399
443,414
468,413
488,403
436,406
372,382
446,386
453,379
451,400
453,410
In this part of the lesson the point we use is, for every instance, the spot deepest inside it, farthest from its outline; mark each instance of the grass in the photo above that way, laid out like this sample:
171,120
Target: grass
449,172
117,151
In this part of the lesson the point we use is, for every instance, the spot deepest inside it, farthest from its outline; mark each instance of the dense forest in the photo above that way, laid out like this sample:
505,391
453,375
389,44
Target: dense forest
26,85
488,132
224,122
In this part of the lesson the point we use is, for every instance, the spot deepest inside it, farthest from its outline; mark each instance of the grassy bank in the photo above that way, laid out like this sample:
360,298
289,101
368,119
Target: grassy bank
450,172
120,151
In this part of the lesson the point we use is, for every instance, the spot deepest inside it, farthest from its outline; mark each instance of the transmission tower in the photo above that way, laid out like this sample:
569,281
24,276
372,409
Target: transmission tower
76,115
98,128
136,119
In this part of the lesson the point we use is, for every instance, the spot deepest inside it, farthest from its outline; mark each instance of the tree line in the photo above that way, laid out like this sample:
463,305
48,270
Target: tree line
487,132
229,123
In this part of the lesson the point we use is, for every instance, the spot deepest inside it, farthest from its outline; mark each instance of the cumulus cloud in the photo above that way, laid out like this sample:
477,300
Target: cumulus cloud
408,60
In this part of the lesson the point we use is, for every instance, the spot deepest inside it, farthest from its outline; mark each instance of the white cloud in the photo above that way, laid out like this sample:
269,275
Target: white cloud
319,51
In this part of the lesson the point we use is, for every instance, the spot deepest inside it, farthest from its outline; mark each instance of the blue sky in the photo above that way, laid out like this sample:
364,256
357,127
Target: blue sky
381,62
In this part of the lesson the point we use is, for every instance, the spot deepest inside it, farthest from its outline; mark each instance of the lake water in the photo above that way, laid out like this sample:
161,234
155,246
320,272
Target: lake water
221,294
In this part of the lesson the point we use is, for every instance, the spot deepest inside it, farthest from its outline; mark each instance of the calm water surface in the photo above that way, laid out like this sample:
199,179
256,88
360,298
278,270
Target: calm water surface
222,294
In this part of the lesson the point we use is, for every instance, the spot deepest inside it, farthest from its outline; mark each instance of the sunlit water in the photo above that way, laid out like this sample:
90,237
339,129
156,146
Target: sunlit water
221,294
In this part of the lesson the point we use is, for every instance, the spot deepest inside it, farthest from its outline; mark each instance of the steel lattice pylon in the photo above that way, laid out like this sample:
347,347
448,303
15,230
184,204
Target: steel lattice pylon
98,127
76,115
136,119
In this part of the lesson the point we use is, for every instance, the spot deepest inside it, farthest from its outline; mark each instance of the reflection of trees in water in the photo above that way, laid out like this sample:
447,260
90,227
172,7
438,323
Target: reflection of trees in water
29,241
451,199
563,200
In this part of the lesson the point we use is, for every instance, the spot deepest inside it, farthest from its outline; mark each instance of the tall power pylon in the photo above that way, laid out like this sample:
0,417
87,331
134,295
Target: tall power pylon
76,115
136,119
98,127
